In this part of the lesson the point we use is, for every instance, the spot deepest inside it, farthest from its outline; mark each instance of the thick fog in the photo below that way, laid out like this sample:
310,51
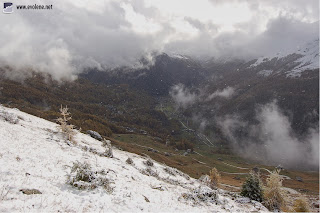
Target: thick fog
272,139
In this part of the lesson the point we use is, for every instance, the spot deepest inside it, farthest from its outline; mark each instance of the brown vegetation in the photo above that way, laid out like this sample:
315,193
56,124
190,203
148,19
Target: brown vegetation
214,178
301,205
275,198
104,108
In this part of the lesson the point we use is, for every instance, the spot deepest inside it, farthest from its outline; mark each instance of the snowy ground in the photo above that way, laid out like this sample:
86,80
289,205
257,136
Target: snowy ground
34,155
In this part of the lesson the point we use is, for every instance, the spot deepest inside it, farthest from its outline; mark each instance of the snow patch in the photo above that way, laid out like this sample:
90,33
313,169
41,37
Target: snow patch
178,56
309,60
265,73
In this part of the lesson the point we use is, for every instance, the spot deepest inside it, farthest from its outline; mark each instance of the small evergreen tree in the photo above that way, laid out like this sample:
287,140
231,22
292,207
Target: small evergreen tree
252,187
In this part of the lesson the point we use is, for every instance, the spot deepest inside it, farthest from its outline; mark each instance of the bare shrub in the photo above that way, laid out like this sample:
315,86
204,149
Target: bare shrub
108,152
148,171
205,180
214,178
4,191
10,117
129,161
187,177
148,162
301,205
275,198
83,177
105,183
66,128
170,171
201,194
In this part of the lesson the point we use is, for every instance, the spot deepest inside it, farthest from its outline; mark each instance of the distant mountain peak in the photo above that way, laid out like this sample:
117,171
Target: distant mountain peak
295,61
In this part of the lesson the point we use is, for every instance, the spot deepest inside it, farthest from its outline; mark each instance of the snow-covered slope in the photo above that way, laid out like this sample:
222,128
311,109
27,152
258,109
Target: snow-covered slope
34,155
292,62
309,59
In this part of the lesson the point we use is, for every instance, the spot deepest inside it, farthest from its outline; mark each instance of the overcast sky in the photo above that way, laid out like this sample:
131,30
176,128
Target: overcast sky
100,33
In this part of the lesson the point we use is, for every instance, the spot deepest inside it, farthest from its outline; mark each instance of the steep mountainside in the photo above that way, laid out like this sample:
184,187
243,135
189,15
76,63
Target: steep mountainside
290,78
41,171
292,63
156,79
108,109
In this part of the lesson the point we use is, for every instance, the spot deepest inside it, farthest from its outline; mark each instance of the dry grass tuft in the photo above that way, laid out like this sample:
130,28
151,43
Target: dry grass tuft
301,205
215,178
275,198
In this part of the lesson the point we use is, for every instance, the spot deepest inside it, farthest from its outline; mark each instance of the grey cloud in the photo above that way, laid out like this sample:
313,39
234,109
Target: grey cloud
71,37
195,23
282,34
276,141
140,7
65,41
308,8
182,96
204,27
224,93
285,33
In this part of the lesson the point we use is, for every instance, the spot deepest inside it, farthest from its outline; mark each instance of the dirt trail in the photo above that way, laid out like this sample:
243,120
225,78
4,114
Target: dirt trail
235,166
283,176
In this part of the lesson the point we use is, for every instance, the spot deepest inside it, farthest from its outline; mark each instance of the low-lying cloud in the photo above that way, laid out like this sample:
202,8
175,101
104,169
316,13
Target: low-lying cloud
224,93
182,96
272,139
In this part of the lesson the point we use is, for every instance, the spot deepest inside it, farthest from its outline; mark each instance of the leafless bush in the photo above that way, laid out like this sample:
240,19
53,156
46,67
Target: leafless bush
4,191
129,161
108,152
83,177
10,117
148,162
170,171
148,171
275,198
301,205
214,178
201,194
205,180
67,129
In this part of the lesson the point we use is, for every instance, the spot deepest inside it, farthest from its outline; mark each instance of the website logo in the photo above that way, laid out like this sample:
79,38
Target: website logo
7,7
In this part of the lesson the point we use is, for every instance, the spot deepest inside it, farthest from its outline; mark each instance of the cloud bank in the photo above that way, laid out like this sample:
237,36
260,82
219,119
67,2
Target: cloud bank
107,34
272,140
